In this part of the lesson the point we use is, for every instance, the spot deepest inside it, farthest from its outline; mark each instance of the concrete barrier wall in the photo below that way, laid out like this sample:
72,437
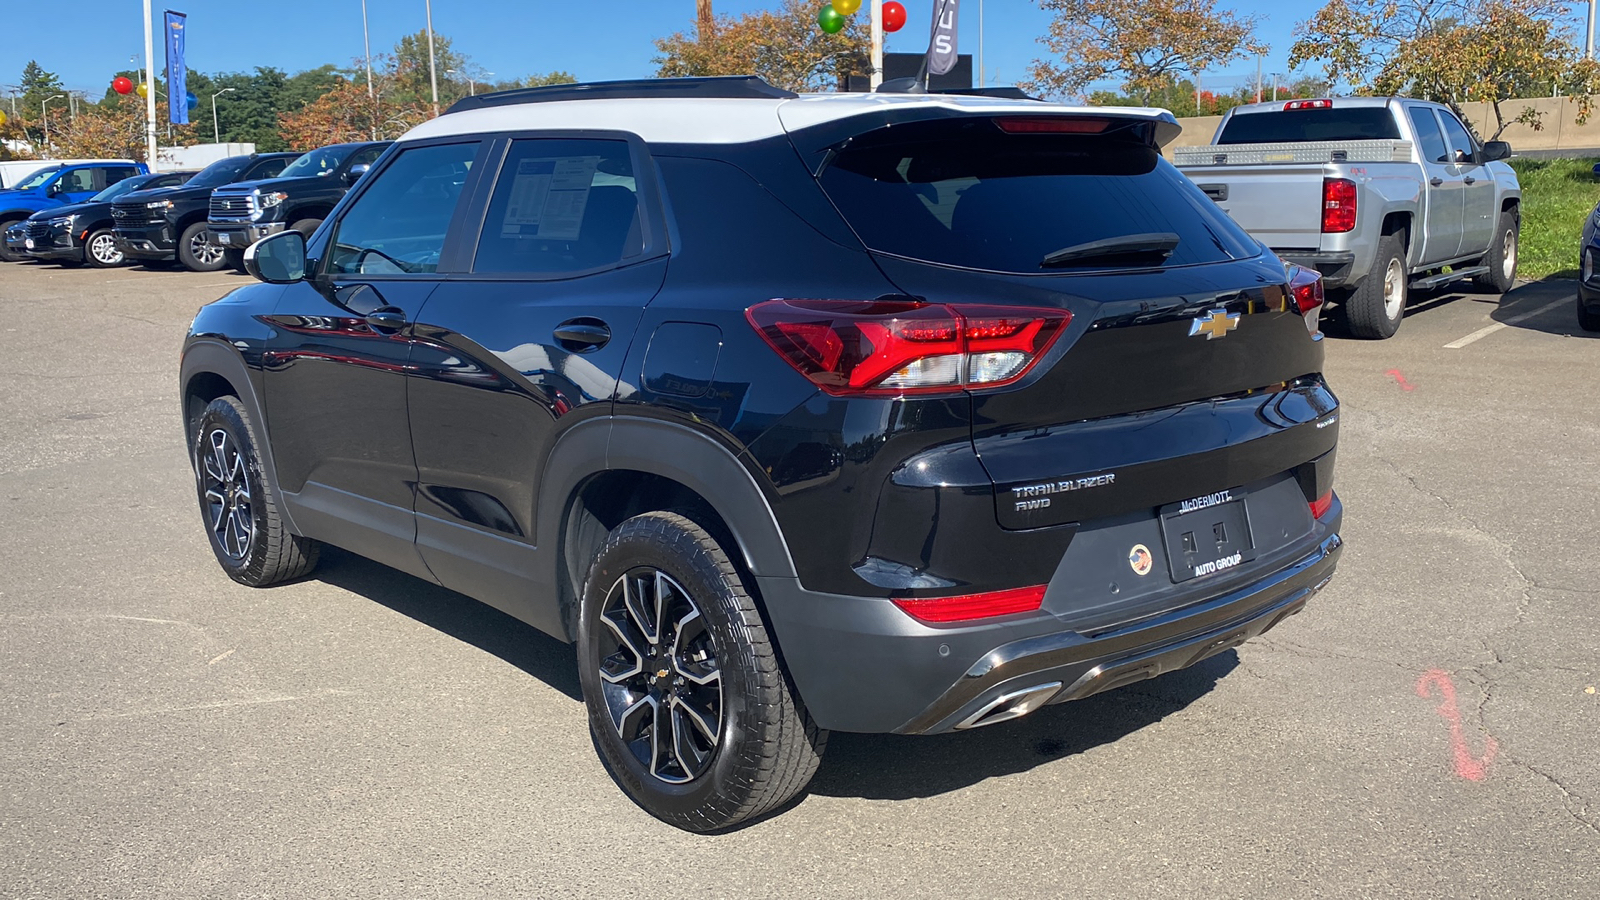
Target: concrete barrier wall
1559,129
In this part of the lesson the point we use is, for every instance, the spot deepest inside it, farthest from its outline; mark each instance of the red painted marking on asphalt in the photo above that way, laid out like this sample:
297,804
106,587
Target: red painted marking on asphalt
1472,768
1400,380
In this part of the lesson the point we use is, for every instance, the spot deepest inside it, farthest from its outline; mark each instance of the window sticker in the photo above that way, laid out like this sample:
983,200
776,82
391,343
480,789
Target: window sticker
548,197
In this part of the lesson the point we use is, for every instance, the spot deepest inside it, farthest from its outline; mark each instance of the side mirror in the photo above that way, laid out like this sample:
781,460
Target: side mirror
1493,150
53,190
355,173
279,259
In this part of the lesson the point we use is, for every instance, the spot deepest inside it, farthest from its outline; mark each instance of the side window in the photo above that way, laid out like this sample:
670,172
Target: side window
397,226
1427,128
561,206
268,168
367,156
76,181
1461,146
115,174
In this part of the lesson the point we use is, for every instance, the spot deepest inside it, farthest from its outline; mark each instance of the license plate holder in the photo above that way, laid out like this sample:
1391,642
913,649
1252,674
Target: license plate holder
1206,535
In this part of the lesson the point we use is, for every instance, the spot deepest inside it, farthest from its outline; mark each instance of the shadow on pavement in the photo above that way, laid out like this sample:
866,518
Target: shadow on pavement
1334,324
545,658
1526,298
900,767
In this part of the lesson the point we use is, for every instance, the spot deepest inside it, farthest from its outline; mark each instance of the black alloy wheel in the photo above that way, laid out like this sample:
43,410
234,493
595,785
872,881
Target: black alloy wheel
225,492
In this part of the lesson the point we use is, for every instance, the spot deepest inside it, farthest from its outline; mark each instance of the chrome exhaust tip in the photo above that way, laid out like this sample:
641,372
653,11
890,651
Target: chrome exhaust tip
1010,706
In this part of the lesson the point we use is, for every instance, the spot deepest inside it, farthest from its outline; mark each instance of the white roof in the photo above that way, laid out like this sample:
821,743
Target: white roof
680,120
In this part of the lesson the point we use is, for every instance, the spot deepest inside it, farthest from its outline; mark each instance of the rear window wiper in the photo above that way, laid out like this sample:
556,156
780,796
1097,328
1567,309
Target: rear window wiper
1127,250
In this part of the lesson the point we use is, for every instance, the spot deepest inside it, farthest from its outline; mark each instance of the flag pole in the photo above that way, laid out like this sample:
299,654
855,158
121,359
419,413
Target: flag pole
877,44
149,89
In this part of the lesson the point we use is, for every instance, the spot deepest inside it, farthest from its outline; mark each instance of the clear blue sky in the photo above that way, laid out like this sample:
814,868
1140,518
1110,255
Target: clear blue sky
85,41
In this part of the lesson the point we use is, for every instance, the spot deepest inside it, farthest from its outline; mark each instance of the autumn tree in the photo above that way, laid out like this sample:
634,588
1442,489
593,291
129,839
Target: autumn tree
785,47
1451,52
111,131
347,112
1144,46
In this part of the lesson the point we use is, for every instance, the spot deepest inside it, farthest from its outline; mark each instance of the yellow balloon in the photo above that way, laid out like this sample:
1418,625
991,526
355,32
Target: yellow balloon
846,7
143,91
2,119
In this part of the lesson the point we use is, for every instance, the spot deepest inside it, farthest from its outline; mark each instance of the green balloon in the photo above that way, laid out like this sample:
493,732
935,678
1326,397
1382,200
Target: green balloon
829,20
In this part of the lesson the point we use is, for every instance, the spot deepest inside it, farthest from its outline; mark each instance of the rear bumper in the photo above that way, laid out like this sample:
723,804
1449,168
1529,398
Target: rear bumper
861,664
1337,266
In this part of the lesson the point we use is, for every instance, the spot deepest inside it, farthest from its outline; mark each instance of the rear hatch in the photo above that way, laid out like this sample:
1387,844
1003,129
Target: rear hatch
1186,381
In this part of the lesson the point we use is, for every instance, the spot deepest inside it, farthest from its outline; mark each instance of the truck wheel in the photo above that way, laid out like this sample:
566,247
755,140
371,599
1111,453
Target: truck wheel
307,227
7,255
1374,309
1588,318
101,250
1502,256
196,251
688,703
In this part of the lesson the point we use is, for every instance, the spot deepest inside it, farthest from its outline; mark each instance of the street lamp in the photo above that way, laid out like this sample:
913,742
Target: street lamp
216,132
472,83
45,116
433,71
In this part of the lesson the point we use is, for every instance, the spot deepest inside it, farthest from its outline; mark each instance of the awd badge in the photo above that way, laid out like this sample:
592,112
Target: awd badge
1140,560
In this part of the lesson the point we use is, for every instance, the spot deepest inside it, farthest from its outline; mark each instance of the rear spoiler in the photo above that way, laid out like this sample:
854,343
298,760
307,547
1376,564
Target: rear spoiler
1293,152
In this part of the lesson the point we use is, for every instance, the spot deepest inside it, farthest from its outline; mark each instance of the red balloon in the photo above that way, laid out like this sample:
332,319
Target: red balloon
894,16
122,85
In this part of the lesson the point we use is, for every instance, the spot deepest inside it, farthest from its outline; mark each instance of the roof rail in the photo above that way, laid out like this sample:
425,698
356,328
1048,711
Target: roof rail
914,85
728,87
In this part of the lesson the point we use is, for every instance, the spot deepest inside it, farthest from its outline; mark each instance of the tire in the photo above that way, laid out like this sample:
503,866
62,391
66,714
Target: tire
306,227
5,254
100,250
1374,309
742,745
1588,318
196,252
1502,256
237,504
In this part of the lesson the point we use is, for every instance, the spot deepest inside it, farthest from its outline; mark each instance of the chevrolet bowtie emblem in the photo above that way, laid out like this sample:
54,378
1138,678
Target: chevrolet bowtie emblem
1217,323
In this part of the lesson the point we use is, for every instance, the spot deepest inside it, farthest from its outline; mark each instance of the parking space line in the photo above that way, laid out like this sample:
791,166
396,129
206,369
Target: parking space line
1491,329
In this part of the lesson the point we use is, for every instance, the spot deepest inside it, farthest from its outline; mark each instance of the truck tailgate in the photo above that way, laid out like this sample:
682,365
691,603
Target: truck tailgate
1280,205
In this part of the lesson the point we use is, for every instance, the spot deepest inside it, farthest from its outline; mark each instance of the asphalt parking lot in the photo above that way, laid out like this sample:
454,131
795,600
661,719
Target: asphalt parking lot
1427,728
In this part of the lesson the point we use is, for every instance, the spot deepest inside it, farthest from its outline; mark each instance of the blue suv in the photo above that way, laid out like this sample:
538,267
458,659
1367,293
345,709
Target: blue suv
55,186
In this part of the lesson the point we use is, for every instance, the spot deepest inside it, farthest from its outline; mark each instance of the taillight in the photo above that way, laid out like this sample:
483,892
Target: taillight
1052,125
1321,505
1338,205
967,607
905,346
1305,286
1319,103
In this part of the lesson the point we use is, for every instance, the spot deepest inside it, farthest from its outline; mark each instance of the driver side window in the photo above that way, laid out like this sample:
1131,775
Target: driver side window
397,226
1461,146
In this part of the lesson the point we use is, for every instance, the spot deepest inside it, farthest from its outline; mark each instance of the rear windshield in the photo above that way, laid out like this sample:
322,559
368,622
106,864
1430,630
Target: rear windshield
1364,123
963,193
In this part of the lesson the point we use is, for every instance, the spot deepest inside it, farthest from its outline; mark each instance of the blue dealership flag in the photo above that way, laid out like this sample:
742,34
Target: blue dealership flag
177,72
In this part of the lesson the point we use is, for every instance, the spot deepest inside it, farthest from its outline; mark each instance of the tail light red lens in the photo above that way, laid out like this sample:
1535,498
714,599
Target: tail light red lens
905,346
1305,286
1338,205
1320,103
1052,125
1321,505
965,608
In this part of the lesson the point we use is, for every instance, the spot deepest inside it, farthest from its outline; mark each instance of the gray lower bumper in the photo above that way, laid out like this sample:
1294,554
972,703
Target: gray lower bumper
1336,266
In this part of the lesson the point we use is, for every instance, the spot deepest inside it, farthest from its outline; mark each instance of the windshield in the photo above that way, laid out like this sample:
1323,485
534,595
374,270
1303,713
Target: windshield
1360,123
220,172
318,162
37,179
963,193
124,186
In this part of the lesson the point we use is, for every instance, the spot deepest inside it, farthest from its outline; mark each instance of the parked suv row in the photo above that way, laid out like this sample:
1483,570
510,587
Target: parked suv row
877,413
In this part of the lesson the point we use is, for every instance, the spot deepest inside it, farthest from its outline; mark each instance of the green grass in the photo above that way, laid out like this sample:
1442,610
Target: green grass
1556,196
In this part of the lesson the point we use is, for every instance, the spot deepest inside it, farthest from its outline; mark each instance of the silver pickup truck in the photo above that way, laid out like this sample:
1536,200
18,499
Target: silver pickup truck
1380,195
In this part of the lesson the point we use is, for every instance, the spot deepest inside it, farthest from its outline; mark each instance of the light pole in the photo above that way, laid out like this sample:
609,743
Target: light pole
366,46
876,78
46,118
149,88
216,132
472,82
433,70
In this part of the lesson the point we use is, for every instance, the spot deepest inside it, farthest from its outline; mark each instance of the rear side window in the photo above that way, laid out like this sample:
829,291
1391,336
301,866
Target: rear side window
1427,127
561,206
966,194
398,224
1359,123
268,168
115,174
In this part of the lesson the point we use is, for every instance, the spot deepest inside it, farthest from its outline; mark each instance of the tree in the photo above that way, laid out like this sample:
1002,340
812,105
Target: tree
1145,46
111,130
36,87
409,65
784,47
1452,52
346,112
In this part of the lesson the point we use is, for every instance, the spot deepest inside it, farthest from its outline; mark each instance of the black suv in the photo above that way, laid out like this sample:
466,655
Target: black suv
82,232
872,413
160,226
299,198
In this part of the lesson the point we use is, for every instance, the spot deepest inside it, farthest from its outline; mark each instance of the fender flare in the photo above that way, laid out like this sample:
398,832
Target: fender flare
17,214
212,356
672,451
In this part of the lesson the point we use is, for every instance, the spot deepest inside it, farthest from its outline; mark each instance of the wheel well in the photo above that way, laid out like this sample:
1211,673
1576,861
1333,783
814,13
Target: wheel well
606,500
203,388
1511,205
315,212
1398,223
186,221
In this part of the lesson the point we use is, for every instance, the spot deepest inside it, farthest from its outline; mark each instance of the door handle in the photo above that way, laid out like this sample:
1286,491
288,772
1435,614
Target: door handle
388,320
1469,179
1436,181
582,335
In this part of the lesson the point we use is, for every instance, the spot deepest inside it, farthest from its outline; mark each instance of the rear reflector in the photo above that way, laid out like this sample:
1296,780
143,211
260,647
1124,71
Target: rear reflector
903,345
1052,125
972,606
1338,205
1321,505
1322,103
1305,286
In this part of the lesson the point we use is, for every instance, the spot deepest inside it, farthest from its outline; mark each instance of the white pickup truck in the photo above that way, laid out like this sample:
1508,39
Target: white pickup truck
1381,195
